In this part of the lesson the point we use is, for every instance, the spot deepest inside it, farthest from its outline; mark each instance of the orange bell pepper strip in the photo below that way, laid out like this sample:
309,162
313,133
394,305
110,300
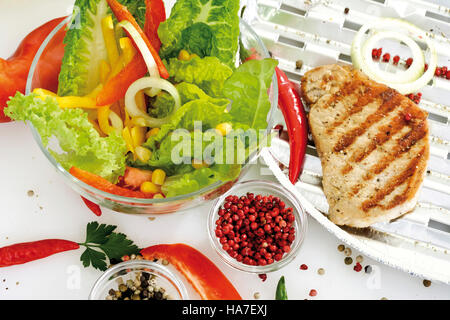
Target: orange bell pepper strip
155,14
122,14
104,185
116,87
202,273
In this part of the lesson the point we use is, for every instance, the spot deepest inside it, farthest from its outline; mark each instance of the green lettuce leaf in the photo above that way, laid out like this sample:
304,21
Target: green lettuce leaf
81,144
207,73
165,103
85,47
200,178
203,27
247,89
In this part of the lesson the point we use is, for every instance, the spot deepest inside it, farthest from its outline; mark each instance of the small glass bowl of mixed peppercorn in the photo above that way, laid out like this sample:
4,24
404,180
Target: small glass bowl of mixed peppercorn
258,226
138,280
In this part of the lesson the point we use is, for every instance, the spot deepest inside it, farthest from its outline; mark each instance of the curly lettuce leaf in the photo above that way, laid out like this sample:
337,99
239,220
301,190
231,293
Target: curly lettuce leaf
164,103
82,145
200,178
85,46
203,27
247,89
207,73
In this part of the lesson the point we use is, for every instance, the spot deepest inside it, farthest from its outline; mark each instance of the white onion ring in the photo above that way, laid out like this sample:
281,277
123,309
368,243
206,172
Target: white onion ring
150,82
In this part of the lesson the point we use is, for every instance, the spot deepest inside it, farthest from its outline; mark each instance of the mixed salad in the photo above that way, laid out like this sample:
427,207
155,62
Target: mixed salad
133,88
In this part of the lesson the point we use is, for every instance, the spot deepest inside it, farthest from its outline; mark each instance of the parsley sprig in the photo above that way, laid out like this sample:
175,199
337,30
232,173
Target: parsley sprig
102,242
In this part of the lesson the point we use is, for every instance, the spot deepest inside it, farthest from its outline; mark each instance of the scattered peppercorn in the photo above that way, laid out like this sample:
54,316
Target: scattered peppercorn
299,64
348,252
348,260
346,10
30,193
144,286
341,247
359,259
427,283
321,271
409,62
263,276
257,295
303,267
313,293
256,230
357,267
386,57
396,60
368,269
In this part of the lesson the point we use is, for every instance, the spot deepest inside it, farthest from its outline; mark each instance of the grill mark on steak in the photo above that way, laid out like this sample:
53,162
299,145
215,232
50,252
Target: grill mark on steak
390,100
367,95
404,144
390,186
384,135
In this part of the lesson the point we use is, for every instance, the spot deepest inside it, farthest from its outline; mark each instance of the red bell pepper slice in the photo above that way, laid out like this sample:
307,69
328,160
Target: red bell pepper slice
104,185
155,14
95,208
14,70
116,88
202,273
121,14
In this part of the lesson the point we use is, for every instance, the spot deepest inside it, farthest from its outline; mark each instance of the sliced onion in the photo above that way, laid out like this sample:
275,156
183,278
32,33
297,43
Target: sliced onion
145,52
144,83
406,82
411,74
116,121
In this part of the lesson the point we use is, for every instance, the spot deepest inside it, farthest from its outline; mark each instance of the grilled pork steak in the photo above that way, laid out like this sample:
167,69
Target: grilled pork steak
372,142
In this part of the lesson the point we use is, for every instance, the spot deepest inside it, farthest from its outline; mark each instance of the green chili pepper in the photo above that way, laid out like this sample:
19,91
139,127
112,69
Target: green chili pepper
281,293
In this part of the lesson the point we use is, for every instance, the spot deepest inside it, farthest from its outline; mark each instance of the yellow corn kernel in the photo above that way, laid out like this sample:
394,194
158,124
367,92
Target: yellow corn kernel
143,154
224,128
110,39
158,177
192,56
184,55
158,196
138,135
152,132
198,165
149,187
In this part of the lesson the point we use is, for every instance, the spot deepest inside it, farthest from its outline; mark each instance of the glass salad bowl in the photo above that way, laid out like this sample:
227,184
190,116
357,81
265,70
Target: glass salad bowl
248,41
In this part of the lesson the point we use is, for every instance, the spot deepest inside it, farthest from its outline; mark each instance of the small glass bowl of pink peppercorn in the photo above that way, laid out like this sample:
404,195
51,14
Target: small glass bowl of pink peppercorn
257,226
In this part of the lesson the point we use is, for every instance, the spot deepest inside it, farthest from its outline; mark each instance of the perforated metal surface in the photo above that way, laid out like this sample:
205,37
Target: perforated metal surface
321,32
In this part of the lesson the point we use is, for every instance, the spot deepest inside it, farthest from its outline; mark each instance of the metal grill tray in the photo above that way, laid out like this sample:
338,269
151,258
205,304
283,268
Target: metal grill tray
321,32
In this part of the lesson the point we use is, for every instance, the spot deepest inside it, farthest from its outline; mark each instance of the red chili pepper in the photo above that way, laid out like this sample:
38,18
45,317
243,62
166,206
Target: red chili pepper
295,117
202,274
104,185
297,125
95,208
14,70
155,14
116,88
121,14
29,251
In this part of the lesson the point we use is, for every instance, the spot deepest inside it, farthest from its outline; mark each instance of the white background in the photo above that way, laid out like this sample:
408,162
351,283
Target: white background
57,212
